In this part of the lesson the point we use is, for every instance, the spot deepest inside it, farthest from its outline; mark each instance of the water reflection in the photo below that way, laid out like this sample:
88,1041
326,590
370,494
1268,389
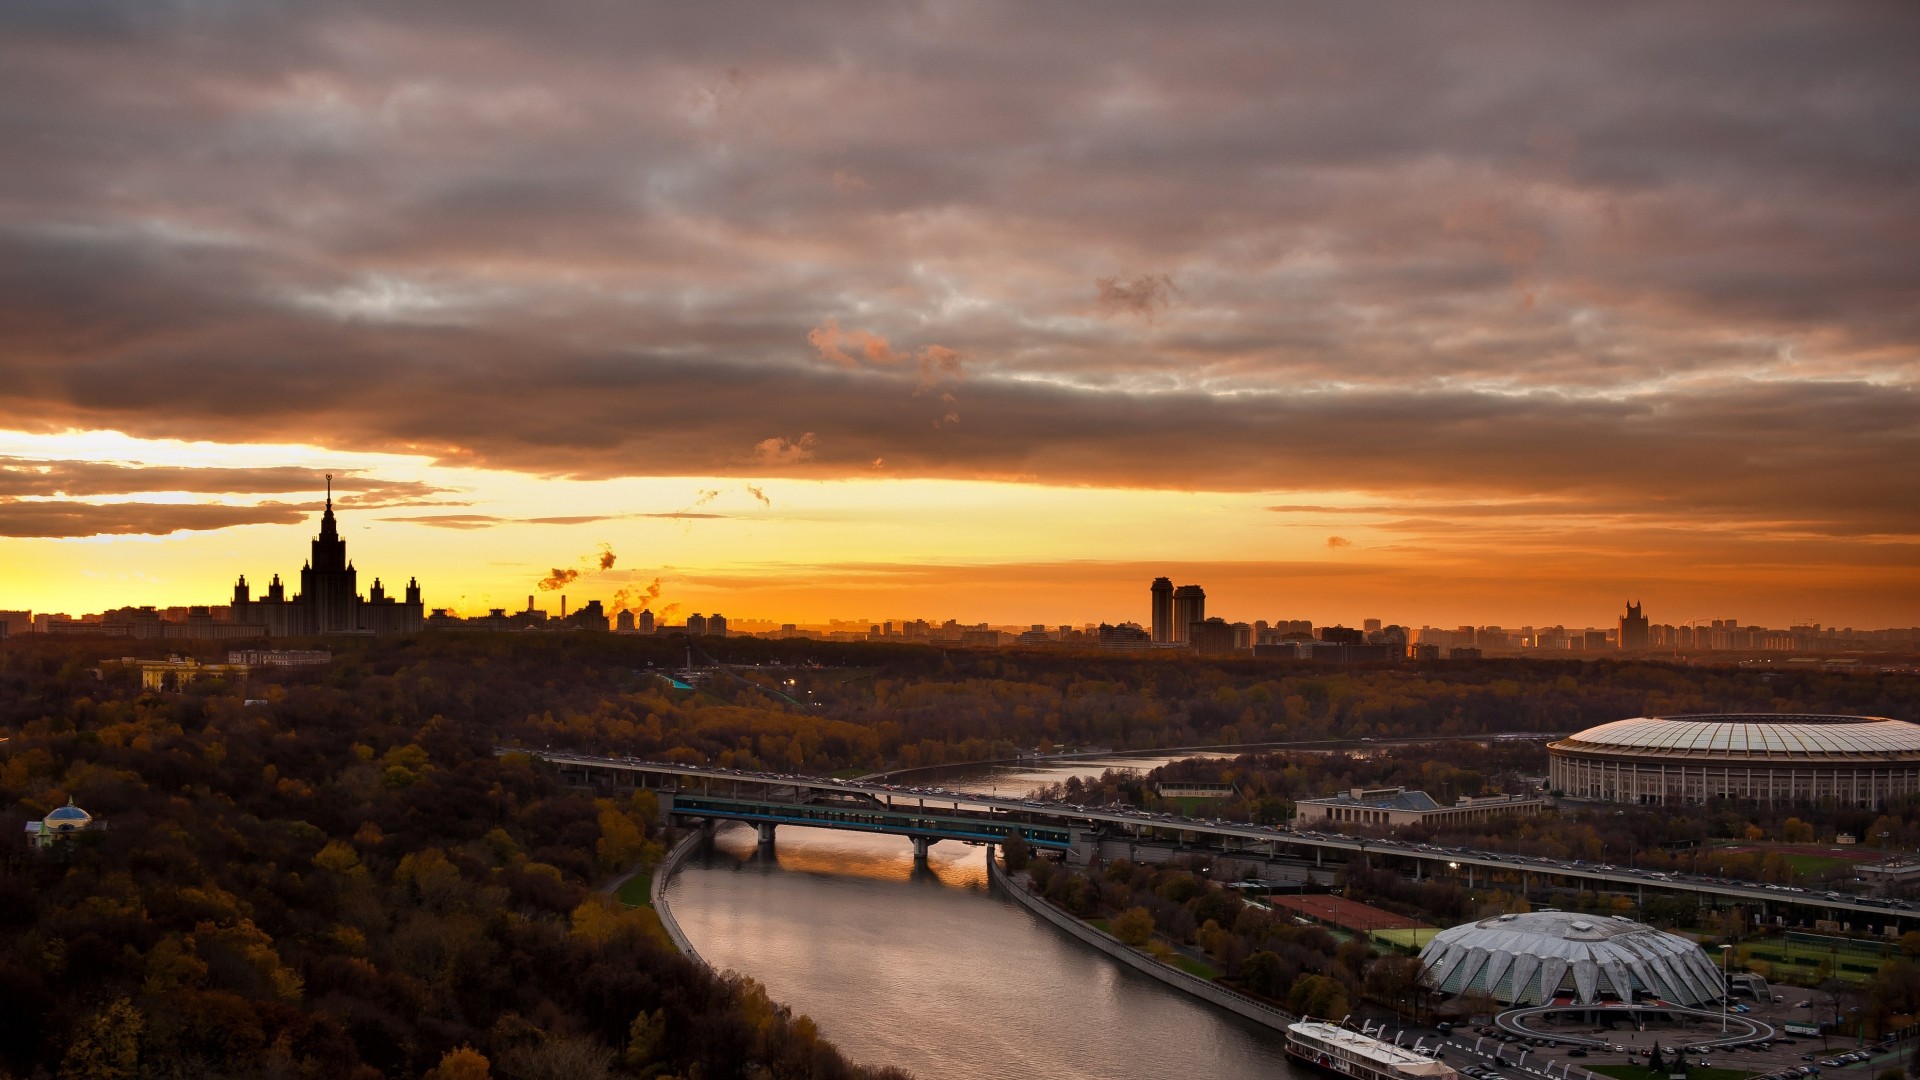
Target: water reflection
926,968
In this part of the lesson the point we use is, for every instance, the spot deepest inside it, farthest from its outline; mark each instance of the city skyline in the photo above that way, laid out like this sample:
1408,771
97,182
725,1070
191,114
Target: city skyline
1498,316
328,600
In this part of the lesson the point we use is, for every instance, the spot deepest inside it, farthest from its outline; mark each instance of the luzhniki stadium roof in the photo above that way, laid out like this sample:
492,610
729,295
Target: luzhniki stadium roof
1751,735
1534,958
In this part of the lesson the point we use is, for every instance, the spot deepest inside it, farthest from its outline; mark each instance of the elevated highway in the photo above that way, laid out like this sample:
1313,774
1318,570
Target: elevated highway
930,814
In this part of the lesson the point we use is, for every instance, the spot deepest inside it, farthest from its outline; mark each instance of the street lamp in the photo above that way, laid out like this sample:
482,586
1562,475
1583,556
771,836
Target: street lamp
1725,990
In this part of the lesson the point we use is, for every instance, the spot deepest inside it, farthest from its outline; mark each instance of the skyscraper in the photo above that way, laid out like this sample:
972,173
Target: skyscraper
329,600
1189,607
1633,631
1162,611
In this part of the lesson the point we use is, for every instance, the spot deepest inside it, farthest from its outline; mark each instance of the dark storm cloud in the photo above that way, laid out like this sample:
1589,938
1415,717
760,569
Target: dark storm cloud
29,476
63,518
1633,257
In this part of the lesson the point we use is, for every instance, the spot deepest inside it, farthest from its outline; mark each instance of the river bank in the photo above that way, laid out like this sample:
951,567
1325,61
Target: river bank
1205,989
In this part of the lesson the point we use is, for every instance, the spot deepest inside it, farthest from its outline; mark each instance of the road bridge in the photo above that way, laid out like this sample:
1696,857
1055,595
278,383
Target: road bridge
930,814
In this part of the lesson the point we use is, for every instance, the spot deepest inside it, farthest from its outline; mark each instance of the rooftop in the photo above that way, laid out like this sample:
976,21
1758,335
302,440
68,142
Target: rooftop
1767,735
1380,799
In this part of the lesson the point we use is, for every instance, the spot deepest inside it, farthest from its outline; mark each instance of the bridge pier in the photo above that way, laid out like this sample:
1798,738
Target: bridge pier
920,846
766,834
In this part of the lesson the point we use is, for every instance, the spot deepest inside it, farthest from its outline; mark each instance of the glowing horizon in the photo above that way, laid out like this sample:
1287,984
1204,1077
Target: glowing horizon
984,551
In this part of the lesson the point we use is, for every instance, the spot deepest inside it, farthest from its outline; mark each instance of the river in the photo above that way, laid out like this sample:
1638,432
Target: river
929,970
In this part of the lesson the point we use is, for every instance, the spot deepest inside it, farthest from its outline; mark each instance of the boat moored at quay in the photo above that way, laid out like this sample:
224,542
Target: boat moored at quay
1334,1049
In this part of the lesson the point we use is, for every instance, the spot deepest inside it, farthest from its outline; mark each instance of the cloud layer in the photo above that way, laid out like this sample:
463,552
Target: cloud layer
1641,259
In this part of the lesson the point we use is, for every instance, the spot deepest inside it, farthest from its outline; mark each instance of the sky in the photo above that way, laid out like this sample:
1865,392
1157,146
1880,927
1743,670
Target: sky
1441,314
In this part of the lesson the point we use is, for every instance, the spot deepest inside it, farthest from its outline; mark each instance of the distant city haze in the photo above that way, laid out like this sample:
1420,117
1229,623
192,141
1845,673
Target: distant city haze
1464,315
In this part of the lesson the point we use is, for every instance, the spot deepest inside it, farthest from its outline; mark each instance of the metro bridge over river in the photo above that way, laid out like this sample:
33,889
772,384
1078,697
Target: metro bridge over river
929,815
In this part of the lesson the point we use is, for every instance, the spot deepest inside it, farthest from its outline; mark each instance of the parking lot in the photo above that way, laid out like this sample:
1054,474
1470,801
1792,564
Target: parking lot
1502,1056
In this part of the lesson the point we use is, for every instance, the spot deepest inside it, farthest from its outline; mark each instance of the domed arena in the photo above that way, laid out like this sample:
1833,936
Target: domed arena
1547,956
1768,759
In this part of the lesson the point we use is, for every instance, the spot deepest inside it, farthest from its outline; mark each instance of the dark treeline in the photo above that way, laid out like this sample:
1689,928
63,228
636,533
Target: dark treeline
342,882
1266,785
1174,910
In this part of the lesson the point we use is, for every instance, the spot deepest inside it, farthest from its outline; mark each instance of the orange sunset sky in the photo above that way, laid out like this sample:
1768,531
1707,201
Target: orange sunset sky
1466,314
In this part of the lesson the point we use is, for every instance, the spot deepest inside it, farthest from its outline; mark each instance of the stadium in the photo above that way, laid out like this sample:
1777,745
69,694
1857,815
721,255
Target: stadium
1547,956
1783,759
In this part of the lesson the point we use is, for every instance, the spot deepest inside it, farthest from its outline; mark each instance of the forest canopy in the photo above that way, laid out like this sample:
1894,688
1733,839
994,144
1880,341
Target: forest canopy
331,872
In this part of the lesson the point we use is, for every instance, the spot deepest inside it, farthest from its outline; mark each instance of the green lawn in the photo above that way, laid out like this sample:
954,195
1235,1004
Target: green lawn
1407,939
1800,962
1819,865
1183,962
638,891
1194,967
1641,1072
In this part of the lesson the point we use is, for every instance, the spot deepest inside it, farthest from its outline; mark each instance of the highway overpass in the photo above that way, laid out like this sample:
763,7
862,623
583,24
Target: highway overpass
929,814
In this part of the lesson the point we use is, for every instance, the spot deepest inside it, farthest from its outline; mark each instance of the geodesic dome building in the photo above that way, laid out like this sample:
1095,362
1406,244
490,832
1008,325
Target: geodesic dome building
1541,956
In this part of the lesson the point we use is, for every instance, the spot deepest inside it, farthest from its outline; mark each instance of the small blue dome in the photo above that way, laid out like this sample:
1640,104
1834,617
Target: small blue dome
67,818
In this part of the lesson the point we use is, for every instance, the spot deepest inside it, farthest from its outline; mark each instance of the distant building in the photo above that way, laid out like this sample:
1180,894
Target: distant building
1162,611
1212,636
1189,607
1772,759
1395,807
644,622
280,657
623,621
1633,633
590,616
716,625
329,600
64,823
696,625
1124,636
177,673
1181,790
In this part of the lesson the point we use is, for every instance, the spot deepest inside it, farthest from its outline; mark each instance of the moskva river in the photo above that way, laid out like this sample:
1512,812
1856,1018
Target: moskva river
928,970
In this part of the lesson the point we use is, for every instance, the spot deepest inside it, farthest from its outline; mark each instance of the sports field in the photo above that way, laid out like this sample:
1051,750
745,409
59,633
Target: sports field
1807,860
1350,914
1409,938
1798,957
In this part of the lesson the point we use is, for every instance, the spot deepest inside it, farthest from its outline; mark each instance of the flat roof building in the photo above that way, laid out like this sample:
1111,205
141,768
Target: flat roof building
1395,807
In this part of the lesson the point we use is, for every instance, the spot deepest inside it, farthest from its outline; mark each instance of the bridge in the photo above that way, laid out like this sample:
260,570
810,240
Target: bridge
930,814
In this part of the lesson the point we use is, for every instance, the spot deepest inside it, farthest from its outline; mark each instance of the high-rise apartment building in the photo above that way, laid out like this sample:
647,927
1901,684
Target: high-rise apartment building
1163,611
1189,607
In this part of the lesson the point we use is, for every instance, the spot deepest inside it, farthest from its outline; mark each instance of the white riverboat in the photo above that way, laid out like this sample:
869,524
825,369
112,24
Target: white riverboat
1336,1050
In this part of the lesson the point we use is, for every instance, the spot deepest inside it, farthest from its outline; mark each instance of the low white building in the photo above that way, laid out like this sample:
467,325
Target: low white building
1394,807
